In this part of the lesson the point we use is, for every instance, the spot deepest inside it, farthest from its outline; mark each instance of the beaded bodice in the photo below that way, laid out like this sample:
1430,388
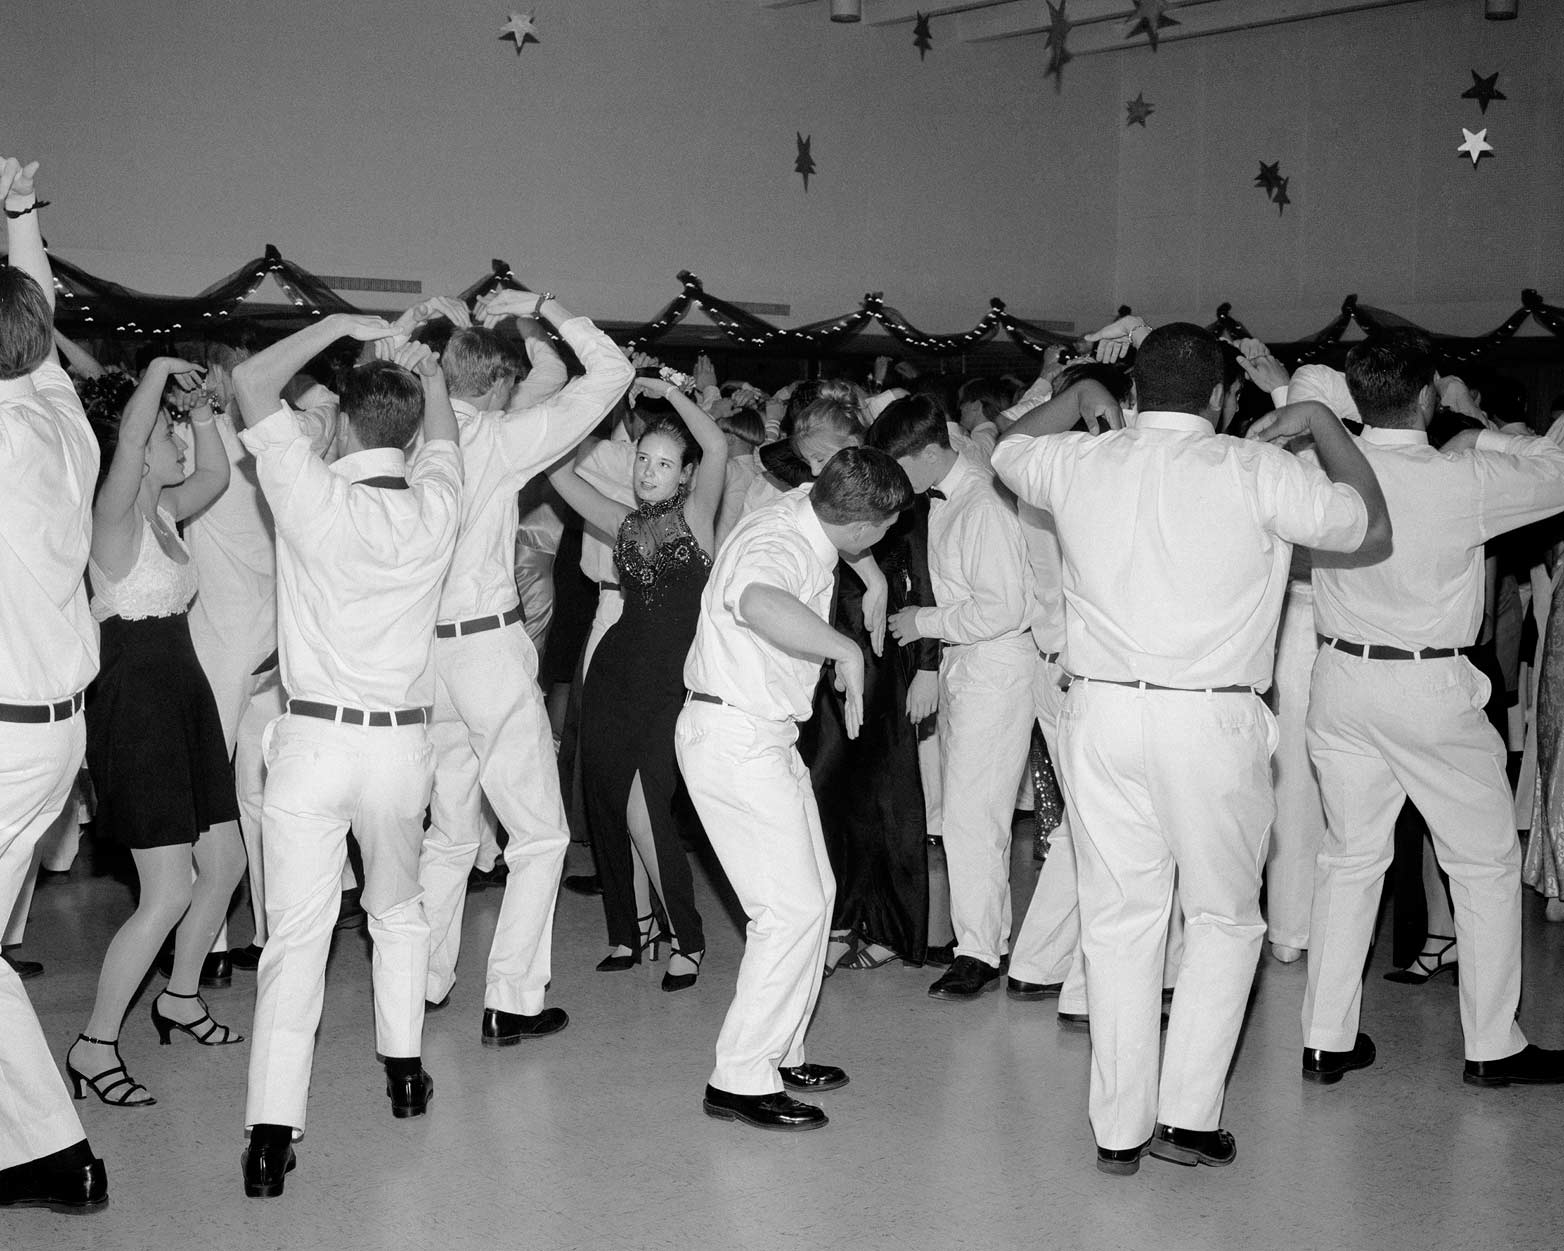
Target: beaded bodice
656,553
156,586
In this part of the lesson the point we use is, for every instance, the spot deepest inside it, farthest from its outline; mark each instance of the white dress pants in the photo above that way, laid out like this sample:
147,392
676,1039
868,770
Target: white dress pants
1159,783
266,704
322,778
38,764
492,739
752,791
985,723
1381,731
1300,818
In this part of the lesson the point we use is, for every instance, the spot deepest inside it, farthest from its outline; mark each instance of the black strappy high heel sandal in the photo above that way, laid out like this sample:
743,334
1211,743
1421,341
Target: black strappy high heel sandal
683,981
1428,965
204,1030
99,1083
650,936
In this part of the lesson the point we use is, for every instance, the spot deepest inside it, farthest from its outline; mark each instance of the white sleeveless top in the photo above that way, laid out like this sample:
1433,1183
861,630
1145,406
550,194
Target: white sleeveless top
156,586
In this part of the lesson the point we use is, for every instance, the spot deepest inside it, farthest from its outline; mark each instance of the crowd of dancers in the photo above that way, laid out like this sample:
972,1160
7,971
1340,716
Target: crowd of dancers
267,614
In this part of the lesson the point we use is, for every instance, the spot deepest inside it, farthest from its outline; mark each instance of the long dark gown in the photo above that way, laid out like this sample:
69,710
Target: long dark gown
630,702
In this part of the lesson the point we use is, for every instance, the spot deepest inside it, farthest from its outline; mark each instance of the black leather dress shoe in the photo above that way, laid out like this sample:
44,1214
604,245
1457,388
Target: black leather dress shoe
71,1180
1017,989
267,1160
778,1111
967,978
246,958
1083,1020
1327,1067
26,970
813,1077
584,884
1530,1066
482,879
1194,1146
505,1029
350,912
942,956
409,1088
1121,1163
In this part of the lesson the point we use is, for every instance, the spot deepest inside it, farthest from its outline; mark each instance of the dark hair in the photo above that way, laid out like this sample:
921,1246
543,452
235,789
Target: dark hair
26,323
1177,367
672,427
909,425
475,359
1114,377
746,424
994,394
860,484
1386,372
384,404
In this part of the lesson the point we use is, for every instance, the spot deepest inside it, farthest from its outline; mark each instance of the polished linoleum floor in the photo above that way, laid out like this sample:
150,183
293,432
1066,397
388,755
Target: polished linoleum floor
964,1125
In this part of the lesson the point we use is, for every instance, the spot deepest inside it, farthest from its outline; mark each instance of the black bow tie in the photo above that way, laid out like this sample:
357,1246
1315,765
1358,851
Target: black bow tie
936,494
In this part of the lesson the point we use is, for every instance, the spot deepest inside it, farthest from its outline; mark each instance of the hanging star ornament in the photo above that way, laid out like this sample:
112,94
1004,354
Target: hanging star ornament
1476,145
922,39
1058,31
1269,177
1149,19
1139,109
1484,90
1280,198
523,28
804,163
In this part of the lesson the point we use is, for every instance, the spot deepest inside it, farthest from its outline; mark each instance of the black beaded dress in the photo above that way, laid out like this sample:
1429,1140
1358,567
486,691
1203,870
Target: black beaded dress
632,697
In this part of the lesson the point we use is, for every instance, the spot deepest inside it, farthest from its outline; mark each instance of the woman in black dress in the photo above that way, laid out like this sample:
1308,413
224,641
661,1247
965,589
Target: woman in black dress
635,687
155,747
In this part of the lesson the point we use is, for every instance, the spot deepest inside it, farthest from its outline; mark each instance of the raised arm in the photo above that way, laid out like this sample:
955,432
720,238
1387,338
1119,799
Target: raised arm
258,382
546,374
122,483
24,240
596,509
209,479
700,510
1088,400
77,357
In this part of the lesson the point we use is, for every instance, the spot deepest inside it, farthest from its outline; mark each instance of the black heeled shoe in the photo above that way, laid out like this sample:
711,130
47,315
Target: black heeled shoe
124,1083
1428,965
204,1030
267,1160
650,937
682,981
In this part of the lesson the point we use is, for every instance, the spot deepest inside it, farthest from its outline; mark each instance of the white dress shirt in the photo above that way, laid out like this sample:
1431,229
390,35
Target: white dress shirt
1429,591
781,545
977,561
1176,544
48,641
1322,383
1042,551
501,451
359,568
609,466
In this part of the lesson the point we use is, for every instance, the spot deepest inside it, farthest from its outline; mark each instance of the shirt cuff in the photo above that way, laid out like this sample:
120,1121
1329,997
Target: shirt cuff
276,431
1494,441
928,622
1279,396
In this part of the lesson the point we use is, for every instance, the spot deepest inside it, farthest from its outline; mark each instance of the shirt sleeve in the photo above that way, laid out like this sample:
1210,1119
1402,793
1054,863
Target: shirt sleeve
992,556
1518,478
532,438
545,378
1326,385
1032,465
436,475
318,410
296,483
608,466
1299,503
780,561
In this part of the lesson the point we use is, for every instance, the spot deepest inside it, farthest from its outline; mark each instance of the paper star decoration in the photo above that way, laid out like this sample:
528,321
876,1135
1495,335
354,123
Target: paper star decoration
1269,177
922,40
1476,146
1484,90
1280,198
1139,110
523,28
804,163
1058,31
1149,19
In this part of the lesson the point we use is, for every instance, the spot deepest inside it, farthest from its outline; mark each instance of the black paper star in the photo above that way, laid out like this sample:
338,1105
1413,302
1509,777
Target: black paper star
1058,31
1280,197
1484,90
1149,19
804,163
922,40
1139,110
1269,177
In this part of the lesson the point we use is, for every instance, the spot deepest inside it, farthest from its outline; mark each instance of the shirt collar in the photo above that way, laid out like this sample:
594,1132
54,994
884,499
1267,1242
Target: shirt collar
374,462
1186,423
464,408
16,388
1395,438
812,528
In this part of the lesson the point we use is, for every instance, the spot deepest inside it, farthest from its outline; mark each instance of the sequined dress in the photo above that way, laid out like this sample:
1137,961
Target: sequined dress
155,746
631,700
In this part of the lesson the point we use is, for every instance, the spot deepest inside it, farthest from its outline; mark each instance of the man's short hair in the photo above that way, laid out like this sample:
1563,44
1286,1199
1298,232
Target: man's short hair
384,404
860,484
1177,367
994,394
477,357
909,425
26,324
1386,372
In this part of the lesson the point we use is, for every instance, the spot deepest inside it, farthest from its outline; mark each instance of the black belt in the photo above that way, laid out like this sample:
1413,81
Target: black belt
608,586
357,716
703,698
39,714
1383,651
453,629
1238,689
1050,657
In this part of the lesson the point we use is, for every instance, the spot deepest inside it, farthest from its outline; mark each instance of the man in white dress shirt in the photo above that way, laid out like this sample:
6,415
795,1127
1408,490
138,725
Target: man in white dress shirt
764,629
491,733
1396,710
1175,545
48,654
983,604
363,546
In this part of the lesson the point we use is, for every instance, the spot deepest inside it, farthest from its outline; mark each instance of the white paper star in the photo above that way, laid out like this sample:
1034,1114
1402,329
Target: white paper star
521,27
1476,145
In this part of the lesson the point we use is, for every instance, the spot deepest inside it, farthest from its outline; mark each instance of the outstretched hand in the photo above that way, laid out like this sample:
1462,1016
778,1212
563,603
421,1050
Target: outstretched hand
1281,424
17,179
364,328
